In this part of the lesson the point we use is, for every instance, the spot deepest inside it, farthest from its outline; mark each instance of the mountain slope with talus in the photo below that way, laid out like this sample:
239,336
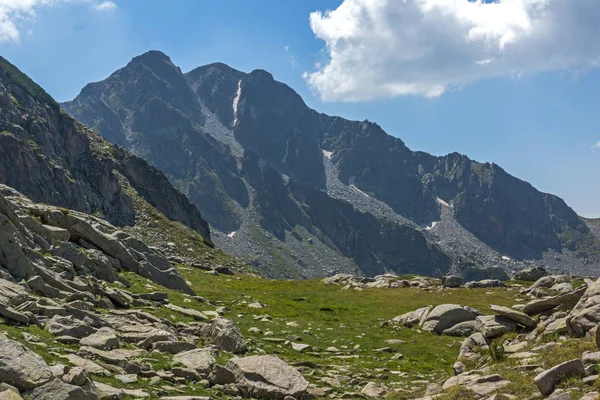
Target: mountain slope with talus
297,193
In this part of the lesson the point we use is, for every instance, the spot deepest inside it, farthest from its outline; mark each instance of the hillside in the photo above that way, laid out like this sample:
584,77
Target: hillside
296,193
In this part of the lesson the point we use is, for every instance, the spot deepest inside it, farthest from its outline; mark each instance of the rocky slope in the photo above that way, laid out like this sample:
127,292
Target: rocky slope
287,188
51,158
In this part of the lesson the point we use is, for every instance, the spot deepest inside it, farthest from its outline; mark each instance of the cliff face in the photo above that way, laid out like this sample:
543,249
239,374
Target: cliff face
269,172
51,158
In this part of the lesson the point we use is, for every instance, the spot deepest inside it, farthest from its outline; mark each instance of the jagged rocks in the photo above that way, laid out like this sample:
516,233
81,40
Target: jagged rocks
374,390
474,381
446,316
463,329
267,377
20,367
546,381
173,347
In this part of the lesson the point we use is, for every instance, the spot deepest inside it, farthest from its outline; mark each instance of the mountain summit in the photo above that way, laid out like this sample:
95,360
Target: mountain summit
297,193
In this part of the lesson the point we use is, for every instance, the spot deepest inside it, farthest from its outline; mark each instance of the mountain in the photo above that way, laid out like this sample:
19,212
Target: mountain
50,158
297,193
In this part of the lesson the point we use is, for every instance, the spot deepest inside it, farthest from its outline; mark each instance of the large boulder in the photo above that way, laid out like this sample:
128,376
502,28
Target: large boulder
68,326
20,367
200,360
224,334
452,281
446,316
267,377
412,318
564,300
586,313
463,329
517,316
546,381
493,326
59,390
103,339
530,274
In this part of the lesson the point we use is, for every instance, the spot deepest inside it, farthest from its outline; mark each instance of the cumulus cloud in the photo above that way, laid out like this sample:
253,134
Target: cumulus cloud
13,13
387,48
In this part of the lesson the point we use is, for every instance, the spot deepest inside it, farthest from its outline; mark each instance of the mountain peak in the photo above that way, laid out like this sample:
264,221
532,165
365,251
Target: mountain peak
153,56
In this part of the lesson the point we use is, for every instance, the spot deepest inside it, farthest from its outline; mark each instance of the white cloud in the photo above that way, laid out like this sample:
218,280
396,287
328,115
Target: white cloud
596,146
105,6
387,48
13,13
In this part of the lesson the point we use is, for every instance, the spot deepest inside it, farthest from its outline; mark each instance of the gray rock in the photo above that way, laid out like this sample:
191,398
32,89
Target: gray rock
530,274
374,390
412,318
103,339
200,360
486,283
68,326
586,313
58,390
546,381
464,329
267,377
446,316
20,367
226,336
173,347
566,300
452,281
493,326
76,376
517,316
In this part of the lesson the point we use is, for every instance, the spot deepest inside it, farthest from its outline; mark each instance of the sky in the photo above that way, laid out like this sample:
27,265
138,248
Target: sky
515,82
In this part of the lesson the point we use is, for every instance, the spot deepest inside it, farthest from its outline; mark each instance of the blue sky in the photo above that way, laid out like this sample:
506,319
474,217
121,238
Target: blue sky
534,115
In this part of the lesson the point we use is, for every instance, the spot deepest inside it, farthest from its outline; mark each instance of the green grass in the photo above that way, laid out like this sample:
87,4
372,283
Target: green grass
330,316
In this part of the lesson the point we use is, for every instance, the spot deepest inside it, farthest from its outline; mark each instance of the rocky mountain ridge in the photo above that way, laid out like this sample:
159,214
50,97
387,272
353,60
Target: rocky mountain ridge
261,166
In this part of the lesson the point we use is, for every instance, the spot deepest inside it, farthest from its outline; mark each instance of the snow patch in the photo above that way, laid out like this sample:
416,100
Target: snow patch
358,190
327,154
430,227
442,202
505,258
232,234
287,149
236,102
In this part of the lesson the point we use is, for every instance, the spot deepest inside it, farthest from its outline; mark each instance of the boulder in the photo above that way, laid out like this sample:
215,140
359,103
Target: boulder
20,367
464,329
58,390
446,316
173,347
493,326
267,377
546,381
412,318
586,313
68,326
10,395
517,316
564,300
486,283
530,274
103,339
224,334
452,281
374,390
200,360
